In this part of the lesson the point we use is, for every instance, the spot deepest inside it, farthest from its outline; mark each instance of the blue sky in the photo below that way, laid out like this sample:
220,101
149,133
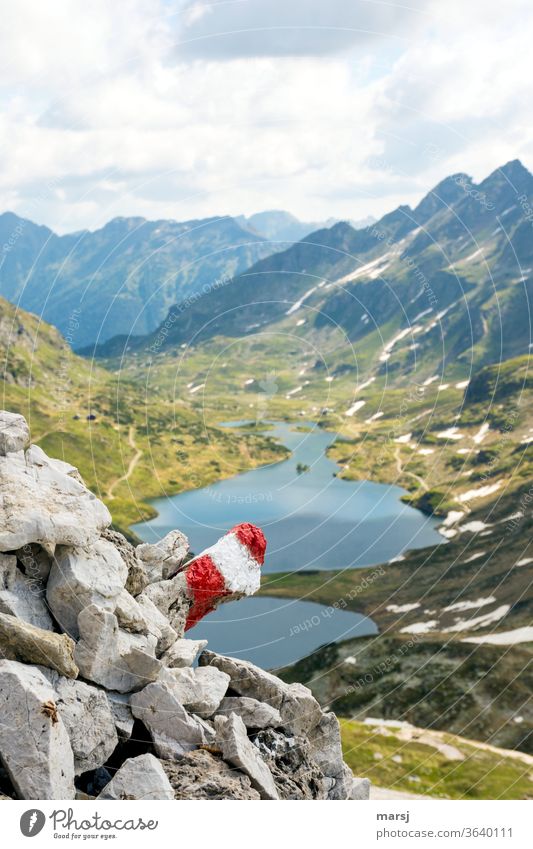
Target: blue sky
184,109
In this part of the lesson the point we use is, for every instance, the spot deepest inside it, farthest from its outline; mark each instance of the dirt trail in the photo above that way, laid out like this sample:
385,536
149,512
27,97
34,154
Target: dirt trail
402,471
131,466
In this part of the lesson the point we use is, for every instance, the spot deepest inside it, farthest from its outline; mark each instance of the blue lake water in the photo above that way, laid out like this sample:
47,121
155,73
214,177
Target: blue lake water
273,632
312,520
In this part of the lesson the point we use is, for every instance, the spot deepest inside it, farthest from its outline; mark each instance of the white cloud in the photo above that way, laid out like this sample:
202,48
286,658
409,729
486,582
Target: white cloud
104,109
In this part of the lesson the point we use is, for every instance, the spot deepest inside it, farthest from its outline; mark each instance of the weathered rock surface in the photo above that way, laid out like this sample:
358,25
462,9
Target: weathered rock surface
237,749
34,743
203,775
360,789
162,559
254,714
157,624
199,690
171,597
14,432
40,503
173,730
36,563
113,658
326,750
120,708
130,616
88,719
142,777
28,644
83,576
137,578
183,652
298,708
21,596
296,775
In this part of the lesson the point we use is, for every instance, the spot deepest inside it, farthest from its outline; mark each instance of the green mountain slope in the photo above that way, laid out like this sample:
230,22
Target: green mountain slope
122,278
128,445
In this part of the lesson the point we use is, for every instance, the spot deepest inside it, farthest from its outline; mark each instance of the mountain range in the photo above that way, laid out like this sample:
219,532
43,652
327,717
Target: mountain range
123,277
457,267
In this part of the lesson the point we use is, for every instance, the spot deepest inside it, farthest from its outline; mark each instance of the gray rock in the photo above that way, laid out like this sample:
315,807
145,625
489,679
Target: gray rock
254,714
41,503
183,652
113,658
83,576
158,624
35,561
326,750
238,750
28,644
14,432
21,596
137,577
88,719
142,777
204,775
120,708
34,743
289,759
298,708
199,690
172,599
360,790
130,616
163,559
173,730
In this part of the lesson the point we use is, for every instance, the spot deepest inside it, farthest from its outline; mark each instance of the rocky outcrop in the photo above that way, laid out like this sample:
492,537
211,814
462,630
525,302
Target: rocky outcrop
139,778
204,775
24,642
34,743
99,692
43,502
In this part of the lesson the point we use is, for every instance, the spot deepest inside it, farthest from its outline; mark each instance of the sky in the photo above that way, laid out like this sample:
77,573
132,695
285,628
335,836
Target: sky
186,109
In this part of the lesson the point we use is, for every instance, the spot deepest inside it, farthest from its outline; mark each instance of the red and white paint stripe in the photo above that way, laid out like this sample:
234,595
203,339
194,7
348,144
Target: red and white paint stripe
232,566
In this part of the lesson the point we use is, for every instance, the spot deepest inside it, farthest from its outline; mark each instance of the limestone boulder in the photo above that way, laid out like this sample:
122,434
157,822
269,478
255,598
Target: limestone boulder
35,562
88,719
42,503
81,577
238,750
174,731
34,743
254,714
162,559
296,704
203,775
157,624
183,652
142,777
25,643
122,715
326,751
14,432
172,599
111,657
295,773
137,578
22,596
199,690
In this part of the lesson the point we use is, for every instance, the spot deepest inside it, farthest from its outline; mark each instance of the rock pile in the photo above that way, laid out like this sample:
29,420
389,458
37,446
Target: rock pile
99,692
